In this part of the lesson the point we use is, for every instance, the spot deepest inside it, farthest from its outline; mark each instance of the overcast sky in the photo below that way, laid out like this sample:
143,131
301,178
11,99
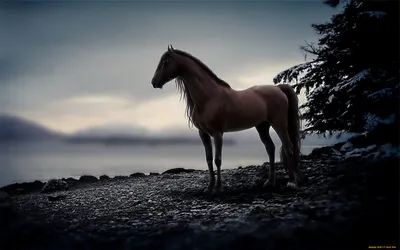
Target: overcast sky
73,65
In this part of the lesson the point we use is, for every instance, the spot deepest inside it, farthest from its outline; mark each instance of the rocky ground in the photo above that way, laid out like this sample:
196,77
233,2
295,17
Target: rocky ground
351,204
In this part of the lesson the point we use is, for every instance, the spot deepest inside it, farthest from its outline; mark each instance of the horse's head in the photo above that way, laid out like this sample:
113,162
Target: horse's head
167,69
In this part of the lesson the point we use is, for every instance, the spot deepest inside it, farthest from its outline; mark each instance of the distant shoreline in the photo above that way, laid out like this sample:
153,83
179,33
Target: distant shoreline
111,140
153,141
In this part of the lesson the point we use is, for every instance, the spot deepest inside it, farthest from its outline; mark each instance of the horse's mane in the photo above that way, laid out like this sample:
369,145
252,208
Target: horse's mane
204,67
185,94
180,84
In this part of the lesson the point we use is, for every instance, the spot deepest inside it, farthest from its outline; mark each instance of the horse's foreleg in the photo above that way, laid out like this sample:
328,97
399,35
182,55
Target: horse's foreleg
206,139
263,132
218,141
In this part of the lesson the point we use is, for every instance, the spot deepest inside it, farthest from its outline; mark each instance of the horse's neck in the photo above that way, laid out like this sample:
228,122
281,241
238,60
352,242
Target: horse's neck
201,85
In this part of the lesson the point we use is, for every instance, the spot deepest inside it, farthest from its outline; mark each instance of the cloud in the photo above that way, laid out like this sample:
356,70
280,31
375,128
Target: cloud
70,115
157,114
260,74
99,100
76,64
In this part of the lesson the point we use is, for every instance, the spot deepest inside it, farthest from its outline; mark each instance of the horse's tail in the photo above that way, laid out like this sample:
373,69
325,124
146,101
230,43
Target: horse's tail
294,123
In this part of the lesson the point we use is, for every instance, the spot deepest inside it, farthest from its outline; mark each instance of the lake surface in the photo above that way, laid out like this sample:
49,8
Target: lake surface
43,161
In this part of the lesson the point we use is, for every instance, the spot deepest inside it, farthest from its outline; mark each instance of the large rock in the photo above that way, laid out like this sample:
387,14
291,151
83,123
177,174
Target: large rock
360,140
71,181
178,171
137,175
104,178
321,153
88,179
23,188
348,145
120,177
54,186
372,152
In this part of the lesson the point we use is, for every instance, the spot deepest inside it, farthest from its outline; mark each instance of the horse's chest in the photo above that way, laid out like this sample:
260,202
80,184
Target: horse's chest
199,121
208,120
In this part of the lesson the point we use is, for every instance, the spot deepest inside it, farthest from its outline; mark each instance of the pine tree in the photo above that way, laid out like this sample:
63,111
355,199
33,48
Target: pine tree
352,85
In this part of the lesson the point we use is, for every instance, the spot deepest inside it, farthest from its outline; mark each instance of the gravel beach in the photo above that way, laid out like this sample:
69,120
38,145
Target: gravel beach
350,204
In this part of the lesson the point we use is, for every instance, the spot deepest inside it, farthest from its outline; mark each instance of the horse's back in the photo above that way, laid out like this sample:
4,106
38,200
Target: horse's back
268,93
273,98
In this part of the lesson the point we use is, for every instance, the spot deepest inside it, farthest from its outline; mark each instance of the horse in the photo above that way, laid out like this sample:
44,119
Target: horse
215,108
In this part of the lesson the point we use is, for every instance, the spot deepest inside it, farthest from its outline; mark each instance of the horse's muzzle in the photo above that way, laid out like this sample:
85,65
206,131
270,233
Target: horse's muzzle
157,86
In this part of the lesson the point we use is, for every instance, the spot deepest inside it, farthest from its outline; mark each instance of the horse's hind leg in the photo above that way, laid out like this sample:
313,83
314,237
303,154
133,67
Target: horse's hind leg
263,132
282,131
218,141
206,139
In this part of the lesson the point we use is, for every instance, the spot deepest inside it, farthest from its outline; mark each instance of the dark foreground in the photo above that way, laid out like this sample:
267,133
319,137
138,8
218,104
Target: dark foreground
351,205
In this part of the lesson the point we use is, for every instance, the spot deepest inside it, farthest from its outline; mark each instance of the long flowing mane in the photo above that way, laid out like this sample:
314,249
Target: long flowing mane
181,86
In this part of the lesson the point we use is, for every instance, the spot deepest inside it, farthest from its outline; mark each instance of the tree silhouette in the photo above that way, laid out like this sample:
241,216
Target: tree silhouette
352,85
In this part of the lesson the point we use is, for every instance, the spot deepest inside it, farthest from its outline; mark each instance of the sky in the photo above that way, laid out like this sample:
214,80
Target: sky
73,65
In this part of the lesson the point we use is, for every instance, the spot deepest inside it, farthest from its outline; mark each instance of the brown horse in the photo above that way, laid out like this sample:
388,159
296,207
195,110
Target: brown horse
214,108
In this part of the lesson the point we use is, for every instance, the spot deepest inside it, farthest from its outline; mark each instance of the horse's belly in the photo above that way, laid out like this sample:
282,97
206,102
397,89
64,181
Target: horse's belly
241,125
227,123
242,122
238,128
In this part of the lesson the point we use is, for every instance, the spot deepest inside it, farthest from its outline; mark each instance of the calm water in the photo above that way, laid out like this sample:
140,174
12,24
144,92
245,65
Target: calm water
29,162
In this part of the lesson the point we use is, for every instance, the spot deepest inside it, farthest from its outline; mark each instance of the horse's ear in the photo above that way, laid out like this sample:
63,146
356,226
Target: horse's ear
170,48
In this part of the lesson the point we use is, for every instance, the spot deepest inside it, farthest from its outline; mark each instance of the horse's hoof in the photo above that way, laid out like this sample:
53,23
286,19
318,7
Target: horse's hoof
268,184
292,185
217,190
208,190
